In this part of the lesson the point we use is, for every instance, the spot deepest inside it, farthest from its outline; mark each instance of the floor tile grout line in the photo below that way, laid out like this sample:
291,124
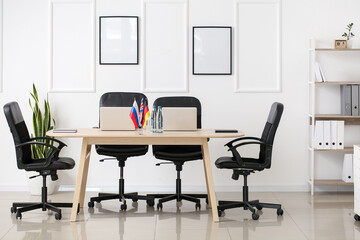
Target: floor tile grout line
7,232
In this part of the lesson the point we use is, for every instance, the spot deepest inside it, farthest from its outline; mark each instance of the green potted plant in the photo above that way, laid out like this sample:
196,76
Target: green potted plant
348,34
42,122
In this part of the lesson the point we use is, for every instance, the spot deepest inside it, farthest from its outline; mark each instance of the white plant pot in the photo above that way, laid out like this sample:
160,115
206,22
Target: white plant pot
35,184
349,43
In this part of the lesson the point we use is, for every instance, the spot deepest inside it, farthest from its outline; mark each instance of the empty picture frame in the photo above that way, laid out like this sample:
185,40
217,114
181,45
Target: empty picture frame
212,50
118,40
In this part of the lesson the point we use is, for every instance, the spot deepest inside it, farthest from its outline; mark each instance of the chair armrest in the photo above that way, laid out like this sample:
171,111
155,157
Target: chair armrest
61,144
52,156
237,155
229,144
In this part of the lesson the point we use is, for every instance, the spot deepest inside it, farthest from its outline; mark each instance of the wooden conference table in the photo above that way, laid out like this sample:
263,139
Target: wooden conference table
92,136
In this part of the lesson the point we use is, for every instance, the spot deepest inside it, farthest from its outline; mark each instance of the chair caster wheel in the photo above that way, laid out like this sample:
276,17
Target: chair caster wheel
13,209
123,207
197,206
18,215
280,212
58,216
134,200
255,216
221,213
90,205
159,206
258,207
357,217
150,203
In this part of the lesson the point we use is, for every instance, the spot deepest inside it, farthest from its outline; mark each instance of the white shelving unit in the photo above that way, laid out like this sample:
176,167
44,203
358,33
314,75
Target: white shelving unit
356,182
313,116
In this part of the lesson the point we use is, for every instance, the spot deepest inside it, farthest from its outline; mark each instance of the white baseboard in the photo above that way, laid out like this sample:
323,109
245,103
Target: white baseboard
160,189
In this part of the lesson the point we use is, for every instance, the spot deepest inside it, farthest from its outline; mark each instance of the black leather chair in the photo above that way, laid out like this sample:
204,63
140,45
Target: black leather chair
45,167
121,152
179,154
245,166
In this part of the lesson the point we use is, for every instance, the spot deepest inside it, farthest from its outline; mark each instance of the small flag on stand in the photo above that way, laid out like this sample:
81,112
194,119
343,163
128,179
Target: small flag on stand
141,111
146,116
134,114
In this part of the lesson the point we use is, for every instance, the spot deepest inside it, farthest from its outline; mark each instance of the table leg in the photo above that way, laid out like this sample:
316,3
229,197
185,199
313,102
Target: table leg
84,180
209,180
81,178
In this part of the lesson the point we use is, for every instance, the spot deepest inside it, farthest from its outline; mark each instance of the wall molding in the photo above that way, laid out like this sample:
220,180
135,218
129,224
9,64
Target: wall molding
92,81
144,77
278,58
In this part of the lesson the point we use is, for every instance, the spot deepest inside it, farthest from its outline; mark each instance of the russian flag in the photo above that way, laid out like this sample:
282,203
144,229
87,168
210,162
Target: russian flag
134,114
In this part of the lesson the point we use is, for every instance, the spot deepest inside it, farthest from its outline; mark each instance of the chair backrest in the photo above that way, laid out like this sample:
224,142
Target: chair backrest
269,132
19,132
121,99
178,101
181,101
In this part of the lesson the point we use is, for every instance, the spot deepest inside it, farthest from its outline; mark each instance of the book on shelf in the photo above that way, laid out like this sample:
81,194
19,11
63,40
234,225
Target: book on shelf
319,73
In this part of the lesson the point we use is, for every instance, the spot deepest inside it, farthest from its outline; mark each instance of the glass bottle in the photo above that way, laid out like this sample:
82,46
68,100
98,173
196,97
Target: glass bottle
159,118
153,120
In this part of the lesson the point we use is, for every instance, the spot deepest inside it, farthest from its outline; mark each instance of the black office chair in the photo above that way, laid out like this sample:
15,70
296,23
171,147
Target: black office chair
121,152
245,166
45,167
179,154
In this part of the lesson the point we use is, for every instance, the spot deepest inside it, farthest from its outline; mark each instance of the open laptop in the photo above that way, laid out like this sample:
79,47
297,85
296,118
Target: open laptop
179,118
116,118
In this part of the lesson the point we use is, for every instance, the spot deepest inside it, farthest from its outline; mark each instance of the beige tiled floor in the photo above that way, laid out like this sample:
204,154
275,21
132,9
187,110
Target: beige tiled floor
322,216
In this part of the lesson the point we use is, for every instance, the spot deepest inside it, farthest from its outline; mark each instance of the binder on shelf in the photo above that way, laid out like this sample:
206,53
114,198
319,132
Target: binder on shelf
327,135
333,134
347,171
319,135
340,134
345,100
355,100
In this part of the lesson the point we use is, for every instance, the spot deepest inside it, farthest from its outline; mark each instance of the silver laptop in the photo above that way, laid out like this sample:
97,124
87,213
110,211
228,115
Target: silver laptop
179,118
115,118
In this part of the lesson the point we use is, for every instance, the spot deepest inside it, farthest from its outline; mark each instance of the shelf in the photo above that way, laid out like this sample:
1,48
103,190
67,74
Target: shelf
349,120
346,149
338,83
338,49
331,182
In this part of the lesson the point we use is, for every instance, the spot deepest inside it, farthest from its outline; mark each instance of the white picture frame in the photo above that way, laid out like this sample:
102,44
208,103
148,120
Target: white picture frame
212,50
118,40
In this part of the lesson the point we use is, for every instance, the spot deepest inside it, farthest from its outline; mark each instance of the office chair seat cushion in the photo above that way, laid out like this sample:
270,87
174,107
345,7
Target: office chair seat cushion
122,150
178,152
61,163
230,163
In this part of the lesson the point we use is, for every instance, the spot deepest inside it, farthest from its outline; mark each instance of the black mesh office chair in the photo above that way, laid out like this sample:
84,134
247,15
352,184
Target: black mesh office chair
121,152
179,154
245,166
45,167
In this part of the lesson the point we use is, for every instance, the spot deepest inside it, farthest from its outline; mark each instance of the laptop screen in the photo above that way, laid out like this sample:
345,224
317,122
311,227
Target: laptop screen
179,118
115,118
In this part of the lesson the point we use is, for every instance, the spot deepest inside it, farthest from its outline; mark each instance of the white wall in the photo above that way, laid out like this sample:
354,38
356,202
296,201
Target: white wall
27,57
